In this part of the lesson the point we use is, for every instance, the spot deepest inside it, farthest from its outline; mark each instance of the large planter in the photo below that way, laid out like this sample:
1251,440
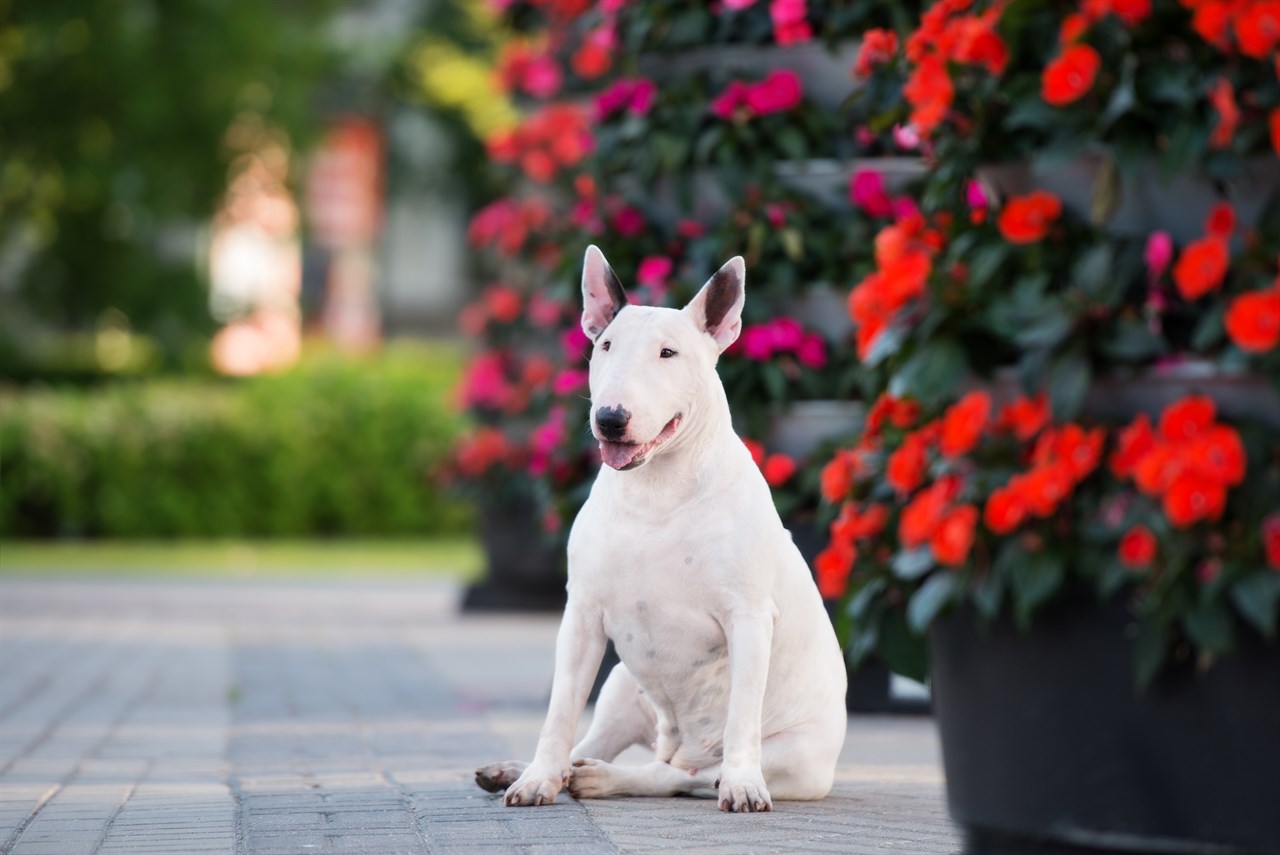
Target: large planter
524,570
1046,738
1144,201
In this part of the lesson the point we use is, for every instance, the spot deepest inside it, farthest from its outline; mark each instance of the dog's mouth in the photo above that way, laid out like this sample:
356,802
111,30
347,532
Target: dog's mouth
628,455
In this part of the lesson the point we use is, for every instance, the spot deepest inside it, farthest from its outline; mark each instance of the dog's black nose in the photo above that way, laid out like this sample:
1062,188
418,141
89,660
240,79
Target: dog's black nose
612,422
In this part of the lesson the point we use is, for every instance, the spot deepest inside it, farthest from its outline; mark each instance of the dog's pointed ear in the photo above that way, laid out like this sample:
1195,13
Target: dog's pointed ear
602,294
717,308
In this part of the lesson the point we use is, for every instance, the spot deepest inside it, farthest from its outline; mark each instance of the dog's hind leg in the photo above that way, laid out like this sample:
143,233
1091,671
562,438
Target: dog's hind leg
496,777
623,717
596,779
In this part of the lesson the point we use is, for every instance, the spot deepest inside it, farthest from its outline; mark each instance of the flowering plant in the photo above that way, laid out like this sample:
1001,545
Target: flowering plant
1054,411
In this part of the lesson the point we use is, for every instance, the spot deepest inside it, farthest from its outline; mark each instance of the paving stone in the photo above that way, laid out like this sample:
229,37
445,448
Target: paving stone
301,717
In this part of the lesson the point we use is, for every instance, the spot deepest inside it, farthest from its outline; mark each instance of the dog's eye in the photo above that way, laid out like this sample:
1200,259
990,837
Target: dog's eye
666,353
605,346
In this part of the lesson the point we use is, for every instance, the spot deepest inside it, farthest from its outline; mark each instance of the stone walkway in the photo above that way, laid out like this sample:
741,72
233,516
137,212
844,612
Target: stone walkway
261,717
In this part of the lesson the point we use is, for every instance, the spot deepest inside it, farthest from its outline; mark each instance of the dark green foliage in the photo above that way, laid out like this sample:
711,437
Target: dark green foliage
339,446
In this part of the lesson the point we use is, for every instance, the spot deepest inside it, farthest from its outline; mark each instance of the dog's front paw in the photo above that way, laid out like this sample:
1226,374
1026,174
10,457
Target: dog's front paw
496,777
743,790
535,787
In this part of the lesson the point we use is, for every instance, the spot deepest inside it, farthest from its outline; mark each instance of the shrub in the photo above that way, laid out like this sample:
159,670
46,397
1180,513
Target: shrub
338,446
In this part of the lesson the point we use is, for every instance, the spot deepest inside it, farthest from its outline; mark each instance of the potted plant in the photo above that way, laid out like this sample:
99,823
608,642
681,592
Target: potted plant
1061,491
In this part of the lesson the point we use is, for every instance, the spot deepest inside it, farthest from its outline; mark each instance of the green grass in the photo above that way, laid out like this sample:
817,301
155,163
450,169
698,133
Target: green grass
442,559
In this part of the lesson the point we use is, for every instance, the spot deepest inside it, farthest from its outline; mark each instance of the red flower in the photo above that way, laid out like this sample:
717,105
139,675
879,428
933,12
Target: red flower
1159,468
1005,510
852,525
1080,450
1223,99
1257,27
1271,540
837,476
1212,21
1134,443
757,451
929,91
905,469
878,47
963,423
778,469
1190,499
953,538
1137,547
1026,219
1201,267
1044,488
1187,418
1069,75
1222,220
833,565
1074,26
1132,12
922,516
900,412
1025,417
1218,455
1253,320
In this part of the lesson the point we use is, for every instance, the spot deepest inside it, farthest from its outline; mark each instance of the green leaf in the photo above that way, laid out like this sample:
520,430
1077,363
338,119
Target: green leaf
791,141
1210,628
1112,578
775,381
1256,598
988,594
1106,193
912,563
986,262
1069,378
886,344
1211,329
1092,274
1131,340
861,602
862,642
901,649
1149,650
1046,331
937,591
1034,579
933,372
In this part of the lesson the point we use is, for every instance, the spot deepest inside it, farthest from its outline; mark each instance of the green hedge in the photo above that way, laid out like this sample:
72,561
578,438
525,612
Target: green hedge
338,446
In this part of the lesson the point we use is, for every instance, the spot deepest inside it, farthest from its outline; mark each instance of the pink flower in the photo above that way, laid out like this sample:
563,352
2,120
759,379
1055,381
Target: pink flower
974,195
905,208
775,214
906,137
789,24
866,190
1158,254
778,92
544,312
757,343
485,382
864,136
545,439
569,381
628,221
738,5
787,333
690,229
654,270
727,102
812,351
574,342
613,99
542,77
642,98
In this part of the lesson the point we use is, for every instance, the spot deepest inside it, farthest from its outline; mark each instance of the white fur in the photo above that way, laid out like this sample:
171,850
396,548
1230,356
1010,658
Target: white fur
730,665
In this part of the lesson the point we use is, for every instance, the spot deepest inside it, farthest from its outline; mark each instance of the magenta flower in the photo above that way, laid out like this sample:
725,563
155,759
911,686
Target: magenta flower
974,195
727,102
485,382
690,229
789,21
775,214
654,270
573,343
905,208
757,343
642,98
738,5
786,333
1158,254
569,381
864,136
542,77
628,221
866,190
778,92
812,351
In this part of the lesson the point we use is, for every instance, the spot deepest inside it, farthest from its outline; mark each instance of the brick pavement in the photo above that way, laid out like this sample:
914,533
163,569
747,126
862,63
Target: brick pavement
296,717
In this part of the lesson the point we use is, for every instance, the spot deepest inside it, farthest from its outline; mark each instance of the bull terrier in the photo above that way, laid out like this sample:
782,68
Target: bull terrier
730,667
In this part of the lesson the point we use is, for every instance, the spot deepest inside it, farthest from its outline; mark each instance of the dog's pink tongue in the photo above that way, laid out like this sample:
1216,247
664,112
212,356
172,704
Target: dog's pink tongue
618,454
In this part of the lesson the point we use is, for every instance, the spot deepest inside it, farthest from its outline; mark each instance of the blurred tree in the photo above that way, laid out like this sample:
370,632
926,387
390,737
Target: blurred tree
114,119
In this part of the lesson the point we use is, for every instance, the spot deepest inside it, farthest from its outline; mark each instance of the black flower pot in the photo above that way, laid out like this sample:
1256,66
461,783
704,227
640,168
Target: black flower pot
524,570
1049,746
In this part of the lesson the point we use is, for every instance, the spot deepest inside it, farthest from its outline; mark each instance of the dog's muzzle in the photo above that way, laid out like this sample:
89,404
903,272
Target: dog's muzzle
628,455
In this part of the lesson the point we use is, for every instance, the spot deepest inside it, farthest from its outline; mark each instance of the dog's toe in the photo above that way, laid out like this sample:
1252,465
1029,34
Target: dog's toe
496,777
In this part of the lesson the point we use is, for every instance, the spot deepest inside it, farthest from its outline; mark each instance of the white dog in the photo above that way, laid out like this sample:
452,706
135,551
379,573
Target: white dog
730,667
